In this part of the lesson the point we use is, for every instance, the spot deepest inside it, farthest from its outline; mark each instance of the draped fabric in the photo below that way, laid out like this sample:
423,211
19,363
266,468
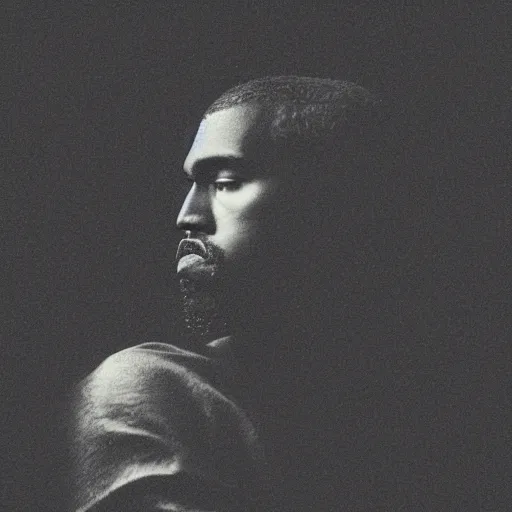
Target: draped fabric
154,428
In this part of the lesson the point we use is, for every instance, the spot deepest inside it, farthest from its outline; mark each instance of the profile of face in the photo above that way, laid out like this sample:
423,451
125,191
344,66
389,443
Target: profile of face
243,230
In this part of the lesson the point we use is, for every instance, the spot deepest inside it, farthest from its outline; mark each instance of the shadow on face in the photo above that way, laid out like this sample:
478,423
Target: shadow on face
301,225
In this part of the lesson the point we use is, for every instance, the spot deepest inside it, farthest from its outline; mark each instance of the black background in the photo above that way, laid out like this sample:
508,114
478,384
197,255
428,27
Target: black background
100,103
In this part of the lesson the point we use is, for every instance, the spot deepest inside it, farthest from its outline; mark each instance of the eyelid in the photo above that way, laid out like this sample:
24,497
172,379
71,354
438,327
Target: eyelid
226,174
220,176
227,180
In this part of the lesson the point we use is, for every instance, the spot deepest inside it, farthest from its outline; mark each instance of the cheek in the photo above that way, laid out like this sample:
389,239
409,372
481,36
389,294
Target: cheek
246,202
244,220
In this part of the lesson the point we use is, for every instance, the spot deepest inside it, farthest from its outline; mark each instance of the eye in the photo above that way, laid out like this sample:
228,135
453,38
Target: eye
227,185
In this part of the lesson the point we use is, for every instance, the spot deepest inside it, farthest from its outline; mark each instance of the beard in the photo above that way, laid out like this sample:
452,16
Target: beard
217,297
275,286
202,312
199,262
242,303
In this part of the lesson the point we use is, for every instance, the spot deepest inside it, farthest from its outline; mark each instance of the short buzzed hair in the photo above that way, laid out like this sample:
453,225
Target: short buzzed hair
313,116
302,105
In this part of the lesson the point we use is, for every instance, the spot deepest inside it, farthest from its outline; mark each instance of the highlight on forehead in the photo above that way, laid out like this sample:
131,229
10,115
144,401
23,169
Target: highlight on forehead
235,132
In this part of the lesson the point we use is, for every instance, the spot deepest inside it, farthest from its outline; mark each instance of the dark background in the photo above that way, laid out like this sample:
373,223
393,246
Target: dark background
100,103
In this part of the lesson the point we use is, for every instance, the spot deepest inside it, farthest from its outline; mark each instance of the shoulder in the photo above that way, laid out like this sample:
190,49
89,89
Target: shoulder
155,385
156,410
149,359
151,367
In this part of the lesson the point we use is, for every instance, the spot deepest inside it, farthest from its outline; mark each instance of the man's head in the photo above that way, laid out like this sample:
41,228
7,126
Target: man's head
277,167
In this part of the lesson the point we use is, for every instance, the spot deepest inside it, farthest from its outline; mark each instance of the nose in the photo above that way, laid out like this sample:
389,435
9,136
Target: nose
196,213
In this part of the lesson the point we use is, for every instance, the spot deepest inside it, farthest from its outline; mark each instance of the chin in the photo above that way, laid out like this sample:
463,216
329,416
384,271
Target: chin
203,317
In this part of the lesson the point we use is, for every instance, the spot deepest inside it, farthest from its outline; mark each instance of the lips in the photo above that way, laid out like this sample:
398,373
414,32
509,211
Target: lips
191,246
195,260
189,261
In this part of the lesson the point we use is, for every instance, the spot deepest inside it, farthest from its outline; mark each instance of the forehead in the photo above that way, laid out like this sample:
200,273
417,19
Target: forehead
233,132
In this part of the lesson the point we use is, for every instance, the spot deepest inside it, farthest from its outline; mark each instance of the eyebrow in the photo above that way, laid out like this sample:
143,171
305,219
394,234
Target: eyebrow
211,165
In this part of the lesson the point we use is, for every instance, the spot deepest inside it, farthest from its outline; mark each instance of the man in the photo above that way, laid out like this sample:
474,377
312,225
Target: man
287,269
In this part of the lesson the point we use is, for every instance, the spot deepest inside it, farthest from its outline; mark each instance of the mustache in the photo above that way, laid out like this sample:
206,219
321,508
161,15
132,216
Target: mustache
200,246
